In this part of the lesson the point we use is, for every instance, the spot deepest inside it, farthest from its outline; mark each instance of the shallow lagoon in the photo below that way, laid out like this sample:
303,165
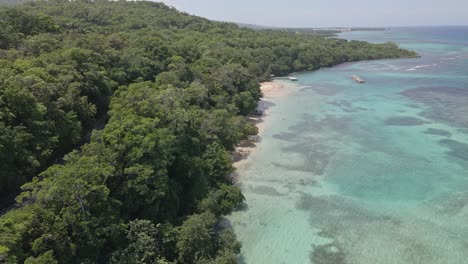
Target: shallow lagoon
372,173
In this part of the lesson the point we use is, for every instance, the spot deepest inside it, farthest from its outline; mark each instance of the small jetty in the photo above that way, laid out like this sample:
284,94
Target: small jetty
357,79
294,79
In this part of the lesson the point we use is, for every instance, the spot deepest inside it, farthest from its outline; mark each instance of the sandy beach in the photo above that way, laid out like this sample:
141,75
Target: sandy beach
275,89
270,90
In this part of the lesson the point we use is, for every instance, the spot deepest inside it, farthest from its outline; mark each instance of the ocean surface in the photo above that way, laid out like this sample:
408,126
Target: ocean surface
365,173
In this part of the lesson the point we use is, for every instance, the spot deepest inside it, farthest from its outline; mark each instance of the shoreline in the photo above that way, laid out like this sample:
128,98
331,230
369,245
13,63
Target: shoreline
270,90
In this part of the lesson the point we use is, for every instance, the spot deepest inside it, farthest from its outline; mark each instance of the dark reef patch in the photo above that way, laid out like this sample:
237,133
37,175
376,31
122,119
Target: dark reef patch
362,109
291,167
316,156
332,122
286,136
446,105
457,149
335,216
317,167
328,122
438,132
451,204
346,106
265,190
328,254
341,103
334,213
412,106
404,121
327,90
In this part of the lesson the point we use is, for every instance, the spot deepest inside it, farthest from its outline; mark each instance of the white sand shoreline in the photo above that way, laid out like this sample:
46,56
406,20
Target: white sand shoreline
270,90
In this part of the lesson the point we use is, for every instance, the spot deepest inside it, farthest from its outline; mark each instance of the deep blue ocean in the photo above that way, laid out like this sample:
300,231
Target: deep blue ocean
365,173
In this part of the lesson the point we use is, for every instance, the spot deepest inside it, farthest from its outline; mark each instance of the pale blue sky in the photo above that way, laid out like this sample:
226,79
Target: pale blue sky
324,13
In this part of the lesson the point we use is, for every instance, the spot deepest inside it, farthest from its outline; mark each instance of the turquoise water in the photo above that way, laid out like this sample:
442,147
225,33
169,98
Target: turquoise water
372,173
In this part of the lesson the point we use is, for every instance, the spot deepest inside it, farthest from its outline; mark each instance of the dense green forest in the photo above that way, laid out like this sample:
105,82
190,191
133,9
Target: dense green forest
173,90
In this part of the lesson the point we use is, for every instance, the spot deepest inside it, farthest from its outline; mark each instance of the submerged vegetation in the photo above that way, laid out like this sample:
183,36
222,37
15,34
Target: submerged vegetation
150,186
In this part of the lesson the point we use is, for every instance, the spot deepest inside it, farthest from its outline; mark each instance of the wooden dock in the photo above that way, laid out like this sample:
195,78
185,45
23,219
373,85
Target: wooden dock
357,79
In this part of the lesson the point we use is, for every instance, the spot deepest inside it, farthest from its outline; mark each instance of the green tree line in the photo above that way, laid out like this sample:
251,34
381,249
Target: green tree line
152,185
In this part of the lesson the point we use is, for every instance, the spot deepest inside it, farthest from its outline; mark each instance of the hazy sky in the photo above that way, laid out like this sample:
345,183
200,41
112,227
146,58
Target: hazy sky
324,13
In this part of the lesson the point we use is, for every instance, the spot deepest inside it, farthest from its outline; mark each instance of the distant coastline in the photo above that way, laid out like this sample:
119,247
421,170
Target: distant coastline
319,30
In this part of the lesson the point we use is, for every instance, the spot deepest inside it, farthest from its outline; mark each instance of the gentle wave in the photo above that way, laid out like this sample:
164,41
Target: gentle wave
421,67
